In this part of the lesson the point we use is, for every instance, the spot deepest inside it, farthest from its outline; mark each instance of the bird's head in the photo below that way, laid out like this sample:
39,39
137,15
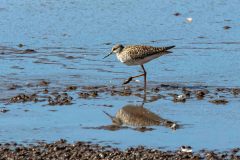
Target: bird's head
115,49
115,121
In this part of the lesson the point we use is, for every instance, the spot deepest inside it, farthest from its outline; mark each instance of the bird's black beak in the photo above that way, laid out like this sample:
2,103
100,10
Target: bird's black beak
108,55
108,115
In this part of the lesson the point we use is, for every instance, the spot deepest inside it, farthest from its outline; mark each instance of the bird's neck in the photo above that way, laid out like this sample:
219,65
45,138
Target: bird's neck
119,52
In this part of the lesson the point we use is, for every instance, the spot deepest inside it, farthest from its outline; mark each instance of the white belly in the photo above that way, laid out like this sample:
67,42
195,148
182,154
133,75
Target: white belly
131,62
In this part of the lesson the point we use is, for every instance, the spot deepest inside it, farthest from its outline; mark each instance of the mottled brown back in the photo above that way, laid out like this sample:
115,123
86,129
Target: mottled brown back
140,52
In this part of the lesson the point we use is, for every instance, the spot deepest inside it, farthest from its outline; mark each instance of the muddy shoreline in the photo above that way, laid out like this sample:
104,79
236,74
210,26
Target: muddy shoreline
45,94
46,91
83,150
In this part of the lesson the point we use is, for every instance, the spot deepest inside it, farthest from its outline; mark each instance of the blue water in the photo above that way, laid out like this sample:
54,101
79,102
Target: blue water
205,54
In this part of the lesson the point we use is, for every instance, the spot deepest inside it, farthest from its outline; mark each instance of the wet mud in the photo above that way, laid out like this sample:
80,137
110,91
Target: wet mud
81,150
60,99
178,93
24,98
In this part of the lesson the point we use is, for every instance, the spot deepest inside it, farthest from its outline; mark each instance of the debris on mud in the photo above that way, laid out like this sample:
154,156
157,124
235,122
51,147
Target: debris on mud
4,110
13,87
108,105
52,110
187,92
71,88
227,27
107,43
156,97
200,94
45,91
235,91
43,83
179,98
24,98
26,51
60,99
219,101
177,14
91,94
156,89
122,92
154,93
100,87
20,45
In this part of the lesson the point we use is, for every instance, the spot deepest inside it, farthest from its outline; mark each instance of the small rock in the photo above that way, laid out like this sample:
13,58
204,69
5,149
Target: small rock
177,14
4,110
107,43
219,101
187,91
84,95
94,94
20,45
235,91
156,90
186,149
180,98
13,87
45,91
43,83
27,51
101,155
200,94
71,88
227,27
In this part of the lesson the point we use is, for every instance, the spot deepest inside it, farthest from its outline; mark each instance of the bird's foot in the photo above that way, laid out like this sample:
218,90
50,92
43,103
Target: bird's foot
127,81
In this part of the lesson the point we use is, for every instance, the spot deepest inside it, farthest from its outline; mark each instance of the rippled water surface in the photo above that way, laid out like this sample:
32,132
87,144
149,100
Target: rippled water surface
71,37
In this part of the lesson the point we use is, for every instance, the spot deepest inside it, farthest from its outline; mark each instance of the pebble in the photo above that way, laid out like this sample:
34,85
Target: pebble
219,101
227,27
177,14
189,20
180,98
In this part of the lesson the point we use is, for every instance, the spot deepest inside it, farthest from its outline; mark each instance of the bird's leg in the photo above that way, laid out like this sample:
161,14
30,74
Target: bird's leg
145,78
131,78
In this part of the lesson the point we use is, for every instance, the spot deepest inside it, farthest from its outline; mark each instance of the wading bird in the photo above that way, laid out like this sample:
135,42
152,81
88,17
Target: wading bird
138,55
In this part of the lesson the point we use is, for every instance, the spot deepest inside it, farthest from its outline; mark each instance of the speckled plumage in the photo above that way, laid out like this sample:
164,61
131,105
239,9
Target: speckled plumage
138,54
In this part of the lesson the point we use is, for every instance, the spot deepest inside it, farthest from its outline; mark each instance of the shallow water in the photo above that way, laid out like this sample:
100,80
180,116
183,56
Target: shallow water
71,37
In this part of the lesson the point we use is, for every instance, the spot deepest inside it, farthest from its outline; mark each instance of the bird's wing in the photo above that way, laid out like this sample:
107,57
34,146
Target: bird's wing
140,52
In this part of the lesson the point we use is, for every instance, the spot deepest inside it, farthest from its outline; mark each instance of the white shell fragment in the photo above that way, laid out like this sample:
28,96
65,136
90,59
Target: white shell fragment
189,19
187,149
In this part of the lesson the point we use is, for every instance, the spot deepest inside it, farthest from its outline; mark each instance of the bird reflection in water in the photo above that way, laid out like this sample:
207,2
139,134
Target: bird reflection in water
138,117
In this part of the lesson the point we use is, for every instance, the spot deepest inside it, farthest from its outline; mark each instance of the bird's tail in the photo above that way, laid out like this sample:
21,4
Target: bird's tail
167,48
